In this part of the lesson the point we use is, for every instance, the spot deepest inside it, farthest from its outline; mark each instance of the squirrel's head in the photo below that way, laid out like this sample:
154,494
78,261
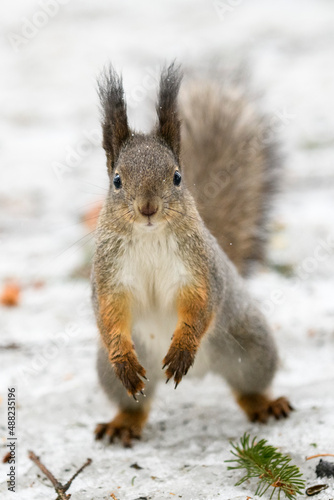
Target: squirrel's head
144,170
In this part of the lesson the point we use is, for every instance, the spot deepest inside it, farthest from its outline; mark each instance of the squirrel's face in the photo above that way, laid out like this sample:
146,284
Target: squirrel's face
146,188
146,183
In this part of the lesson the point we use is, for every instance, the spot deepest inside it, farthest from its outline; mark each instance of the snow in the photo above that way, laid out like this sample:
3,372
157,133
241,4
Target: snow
49,111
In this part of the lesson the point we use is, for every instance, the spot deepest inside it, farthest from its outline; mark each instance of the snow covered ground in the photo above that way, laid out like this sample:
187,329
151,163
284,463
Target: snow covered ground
53,171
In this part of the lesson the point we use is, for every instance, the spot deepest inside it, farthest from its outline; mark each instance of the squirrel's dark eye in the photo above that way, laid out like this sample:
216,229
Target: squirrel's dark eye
177,178
117,181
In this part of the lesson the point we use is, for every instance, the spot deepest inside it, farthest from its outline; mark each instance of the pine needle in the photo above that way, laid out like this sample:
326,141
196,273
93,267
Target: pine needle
272,468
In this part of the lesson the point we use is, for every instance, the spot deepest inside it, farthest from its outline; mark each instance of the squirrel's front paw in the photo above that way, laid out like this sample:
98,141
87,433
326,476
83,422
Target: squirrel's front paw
178,363
129,370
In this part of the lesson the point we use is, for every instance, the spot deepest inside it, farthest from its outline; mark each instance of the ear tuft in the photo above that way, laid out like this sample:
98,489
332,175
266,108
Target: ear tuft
114,118
168,120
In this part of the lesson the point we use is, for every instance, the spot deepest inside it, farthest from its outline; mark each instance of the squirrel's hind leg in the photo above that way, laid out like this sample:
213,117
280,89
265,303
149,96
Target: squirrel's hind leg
259,407
246,357
127,425
132,416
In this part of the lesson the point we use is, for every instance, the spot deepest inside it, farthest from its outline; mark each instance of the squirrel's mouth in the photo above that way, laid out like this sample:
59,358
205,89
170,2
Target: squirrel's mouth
149,222
149,211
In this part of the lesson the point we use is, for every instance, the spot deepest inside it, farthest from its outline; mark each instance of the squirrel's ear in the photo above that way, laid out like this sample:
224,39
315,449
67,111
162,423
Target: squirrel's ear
114,118
168,120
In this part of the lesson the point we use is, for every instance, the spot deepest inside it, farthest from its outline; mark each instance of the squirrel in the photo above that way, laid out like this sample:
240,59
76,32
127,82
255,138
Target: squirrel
167,292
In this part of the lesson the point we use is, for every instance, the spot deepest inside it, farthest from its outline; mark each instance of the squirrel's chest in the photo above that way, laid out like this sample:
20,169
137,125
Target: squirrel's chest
152,269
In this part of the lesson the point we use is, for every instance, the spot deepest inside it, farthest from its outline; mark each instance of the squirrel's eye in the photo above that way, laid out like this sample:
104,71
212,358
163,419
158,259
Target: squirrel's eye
117,181
177,178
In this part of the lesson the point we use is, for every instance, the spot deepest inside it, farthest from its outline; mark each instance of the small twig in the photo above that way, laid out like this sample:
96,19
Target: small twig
45,471
68,484
320,455
59,488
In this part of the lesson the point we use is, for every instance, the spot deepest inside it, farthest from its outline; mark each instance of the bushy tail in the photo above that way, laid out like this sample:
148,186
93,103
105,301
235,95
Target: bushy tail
230,165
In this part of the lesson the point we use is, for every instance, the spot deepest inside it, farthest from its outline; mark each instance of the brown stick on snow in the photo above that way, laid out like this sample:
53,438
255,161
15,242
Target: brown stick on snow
59,488
68,484
320,455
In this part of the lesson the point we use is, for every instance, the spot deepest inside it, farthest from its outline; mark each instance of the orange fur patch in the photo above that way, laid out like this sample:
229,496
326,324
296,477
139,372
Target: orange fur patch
116,319
116,334
194,319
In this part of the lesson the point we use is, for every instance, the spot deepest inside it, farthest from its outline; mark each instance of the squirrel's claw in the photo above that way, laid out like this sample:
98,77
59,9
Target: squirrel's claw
178,363
126,426
129,371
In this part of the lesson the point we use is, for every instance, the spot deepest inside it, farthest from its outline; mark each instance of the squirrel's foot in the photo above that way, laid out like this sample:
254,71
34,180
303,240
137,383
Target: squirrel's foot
178,363
129,370
127,425
259,408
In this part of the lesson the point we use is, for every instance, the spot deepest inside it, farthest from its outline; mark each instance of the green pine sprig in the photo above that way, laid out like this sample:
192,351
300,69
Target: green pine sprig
270,467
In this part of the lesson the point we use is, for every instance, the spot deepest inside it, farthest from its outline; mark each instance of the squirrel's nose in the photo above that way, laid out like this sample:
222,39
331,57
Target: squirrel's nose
148,209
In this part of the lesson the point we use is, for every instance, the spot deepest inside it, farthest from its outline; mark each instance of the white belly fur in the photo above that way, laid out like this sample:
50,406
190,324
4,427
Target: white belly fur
153,272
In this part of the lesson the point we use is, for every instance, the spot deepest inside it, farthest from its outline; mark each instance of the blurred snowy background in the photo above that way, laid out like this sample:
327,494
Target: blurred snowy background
53,174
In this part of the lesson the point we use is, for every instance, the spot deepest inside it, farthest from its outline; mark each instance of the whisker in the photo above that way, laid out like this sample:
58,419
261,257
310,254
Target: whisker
75,243
181,213
81,222
91,237
96,202
84,220
167,196
124,225
168,222
132,226
121,216
96,185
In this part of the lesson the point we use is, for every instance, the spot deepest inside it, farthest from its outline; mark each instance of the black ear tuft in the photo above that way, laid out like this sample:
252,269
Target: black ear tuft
169,124
114,119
